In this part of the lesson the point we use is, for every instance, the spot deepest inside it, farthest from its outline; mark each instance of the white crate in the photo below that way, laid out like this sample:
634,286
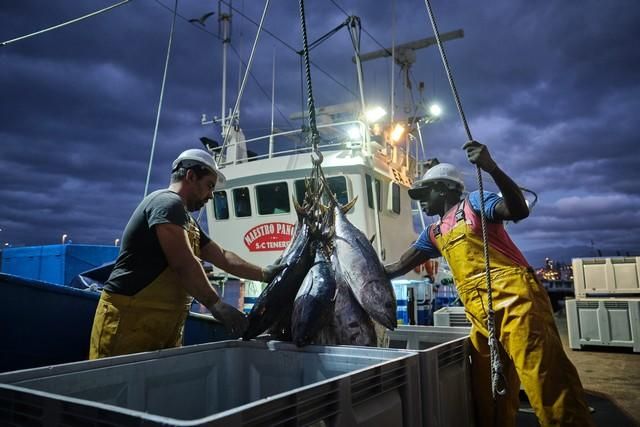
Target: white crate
228,383
451,316
601,277
611,322
444,372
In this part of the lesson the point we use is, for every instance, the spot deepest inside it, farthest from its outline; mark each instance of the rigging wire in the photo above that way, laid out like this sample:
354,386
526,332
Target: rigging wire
244,79
291,48
64,24
164,79
363,29
498,382
235,51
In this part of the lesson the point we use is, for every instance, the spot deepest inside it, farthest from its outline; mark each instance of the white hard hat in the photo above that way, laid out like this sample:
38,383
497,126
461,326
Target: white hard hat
445,173
196,156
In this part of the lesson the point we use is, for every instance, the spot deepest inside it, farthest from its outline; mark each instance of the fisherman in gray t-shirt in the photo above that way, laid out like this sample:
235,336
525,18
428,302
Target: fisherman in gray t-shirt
158,272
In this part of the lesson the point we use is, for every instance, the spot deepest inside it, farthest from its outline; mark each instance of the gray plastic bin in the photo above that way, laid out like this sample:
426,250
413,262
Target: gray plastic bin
229,383
444,371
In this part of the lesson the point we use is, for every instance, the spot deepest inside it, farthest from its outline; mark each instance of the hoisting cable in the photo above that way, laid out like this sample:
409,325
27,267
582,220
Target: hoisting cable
498,383
316,155
64,24
244,82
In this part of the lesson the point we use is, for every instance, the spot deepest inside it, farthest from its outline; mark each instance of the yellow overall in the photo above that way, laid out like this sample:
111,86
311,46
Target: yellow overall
152,319
531,350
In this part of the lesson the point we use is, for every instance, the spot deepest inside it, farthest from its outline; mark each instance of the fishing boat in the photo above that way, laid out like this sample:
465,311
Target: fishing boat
366,155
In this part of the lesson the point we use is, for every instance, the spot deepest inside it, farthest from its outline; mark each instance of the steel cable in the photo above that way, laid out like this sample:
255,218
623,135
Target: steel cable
498,384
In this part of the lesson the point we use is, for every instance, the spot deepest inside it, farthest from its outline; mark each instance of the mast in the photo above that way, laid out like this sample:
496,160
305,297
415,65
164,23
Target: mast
224,20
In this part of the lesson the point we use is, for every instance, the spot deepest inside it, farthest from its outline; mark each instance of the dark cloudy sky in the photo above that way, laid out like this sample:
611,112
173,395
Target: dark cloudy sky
552,87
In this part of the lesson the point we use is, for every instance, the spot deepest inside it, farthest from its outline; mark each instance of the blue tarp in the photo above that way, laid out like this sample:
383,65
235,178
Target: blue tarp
55,263
45,323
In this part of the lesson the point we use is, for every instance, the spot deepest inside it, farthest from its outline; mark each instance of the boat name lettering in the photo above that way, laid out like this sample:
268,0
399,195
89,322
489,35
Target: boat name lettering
271,236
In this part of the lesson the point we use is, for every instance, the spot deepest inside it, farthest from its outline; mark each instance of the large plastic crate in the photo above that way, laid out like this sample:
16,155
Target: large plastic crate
451,316
604,322
58,264
601,277
230,383
444,372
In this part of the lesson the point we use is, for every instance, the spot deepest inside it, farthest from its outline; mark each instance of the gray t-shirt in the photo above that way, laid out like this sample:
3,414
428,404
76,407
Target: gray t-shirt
141,259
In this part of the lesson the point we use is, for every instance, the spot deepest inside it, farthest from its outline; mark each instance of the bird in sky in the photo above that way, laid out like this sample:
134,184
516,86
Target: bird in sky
202,18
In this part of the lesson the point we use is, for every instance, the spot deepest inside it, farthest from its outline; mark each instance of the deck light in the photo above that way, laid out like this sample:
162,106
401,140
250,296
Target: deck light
397,132
354,133
435,110
374,114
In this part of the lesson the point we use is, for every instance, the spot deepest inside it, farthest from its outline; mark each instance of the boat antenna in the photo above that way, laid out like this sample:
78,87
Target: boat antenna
164,79
244,81
498,382
64,24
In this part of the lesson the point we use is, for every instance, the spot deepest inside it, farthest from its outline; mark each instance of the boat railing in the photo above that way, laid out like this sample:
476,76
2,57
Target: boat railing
352,135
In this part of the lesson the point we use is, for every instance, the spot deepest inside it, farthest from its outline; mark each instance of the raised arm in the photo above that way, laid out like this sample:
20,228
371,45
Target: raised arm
513,206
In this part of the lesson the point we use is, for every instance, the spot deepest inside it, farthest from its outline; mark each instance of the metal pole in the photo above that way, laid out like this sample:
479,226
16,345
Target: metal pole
273,101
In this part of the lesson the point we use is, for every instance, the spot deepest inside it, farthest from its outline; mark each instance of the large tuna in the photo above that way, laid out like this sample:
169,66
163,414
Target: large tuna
279,294
357,263
351,324
313,305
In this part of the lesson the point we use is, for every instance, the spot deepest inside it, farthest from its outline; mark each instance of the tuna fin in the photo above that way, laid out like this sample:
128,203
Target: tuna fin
372,238
346,208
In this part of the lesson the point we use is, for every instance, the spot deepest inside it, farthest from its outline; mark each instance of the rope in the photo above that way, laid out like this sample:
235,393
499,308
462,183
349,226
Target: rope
498,383
164,79
64,24
316,155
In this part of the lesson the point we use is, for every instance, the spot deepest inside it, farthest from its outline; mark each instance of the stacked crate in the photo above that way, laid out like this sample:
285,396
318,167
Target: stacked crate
606,308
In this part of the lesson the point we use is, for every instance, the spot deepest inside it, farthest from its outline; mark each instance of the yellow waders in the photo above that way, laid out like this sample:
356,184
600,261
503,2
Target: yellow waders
152,319
531,348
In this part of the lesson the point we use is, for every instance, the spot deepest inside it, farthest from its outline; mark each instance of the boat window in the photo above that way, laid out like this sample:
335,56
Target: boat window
273,198
337,184
299,188
220,205
242,202
395,197
370,194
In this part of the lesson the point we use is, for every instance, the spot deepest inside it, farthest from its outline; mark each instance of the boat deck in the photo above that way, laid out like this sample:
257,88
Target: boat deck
611,378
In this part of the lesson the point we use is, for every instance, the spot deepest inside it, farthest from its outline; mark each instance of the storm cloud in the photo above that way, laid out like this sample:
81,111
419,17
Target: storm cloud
552,89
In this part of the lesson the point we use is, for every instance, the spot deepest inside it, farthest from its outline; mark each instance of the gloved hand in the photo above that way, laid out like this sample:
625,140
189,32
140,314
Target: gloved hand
234,321
478,154
270,271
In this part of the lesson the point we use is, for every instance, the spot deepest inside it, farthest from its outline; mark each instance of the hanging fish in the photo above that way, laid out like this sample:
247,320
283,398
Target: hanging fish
273,302
357,263
350,325
314,304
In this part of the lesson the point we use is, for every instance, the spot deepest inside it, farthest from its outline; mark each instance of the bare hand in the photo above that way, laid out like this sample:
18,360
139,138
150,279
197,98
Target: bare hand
478,154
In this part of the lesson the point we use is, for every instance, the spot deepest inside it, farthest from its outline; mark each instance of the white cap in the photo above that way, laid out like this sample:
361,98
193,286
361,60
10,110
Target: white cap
445,173
193,156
